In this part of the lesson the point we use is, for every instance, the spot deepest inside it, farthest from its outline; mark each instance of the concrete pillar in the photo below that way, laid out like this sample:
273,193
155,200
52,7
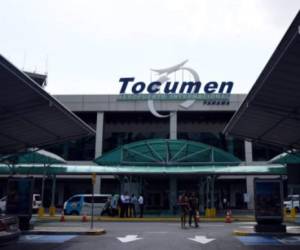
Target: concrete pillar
173,192
250,191
97,185
249,179
98,147
248,151
173,125
99,134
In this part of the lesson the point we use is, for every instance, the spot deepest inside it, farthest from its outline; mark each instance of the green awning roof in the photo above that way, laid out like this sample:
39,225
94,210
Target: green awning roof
286,158
145,170
165,152
35,156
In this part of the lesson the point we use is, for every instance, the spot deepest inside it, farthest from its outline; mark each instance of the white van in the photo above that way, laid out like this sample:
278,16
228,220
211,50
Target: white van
293,201
81,204
36,203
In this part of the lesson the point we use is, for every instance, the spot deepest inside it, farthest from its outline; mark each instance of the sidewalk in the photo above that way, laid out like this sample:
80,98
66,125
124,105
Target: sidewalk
56,218
54,230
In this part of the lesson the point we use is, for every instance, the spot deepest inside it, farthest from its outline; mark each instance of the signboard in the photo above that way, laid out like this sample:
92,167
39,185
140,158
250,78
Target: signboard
167,85
19,196
268,200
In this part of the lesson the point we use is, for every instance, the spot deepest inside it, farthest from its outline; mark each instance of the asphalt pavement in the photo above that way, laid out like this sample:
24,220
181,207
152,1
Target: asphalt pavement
148,236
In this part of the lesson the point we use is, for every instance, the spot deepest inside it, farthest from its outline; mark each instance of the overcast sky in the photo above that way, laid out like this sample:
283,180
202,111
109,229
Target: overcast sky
86,46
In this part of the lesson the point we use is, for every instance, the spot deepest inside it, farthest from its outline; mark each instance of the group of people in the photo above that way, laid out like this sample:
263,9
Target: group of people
189,205
130,204
124,205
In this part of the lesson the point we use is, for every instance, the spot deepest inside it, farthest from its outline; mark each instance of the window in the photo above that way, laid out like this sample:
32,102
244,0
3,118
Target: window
97,199
75,199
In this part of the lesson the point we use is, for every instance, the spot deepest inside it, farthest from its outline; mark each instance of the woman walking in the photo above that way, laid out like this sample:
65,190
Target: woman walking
183,203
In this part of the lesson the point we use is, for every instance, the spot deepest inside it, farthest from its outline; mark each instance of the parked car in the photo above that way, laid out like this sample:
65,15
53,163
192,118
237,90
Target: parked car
9,228
81,204
36,203
293,201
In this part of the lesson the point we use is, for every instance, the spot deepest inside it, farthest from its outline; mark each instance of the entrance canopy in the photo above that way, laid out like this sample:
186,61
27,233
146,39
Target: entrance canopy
30,117
287,158
56,169
164,152
271,111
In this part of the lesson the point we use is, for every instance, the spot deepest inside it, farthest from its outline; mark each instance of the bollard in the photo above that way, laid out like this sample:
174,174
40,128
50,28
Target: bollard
293,213
41,212
52,211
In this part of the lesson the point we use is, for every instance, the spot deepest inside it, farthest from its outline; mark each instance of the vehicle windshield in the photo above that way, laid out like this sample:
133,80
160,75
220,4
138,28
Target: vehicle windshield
37,197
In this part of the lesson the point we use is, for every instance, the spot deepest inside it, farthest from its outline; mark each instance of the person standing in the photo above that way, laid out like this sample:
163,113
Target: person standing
133,202
193,209
183,203
141,205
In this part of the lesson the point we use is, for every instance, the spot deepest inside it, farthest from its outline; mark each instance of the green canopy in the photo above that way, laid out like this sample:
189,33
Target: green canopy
287,158
36,156
156,170
165,152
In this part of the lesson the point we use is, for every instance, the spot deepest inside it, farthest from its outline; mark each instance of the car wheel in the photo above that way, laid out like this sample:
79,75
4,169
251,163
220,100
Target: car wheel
74,213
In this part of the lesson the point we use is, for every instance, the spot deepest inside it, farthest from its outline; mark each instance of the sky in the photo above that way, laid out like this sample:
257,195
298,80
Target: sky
86,46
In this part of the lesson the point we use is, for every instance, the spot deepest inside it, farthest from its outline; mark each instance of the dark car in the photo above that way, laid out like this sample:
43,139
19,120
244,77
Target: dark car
9,228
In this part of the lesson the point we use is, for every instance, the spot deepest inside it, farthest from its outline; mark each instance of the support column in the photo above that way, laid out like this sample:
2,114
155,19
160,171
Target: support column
173,192
97,185
249,179
250,191
248,151
99,134
99,147
173,125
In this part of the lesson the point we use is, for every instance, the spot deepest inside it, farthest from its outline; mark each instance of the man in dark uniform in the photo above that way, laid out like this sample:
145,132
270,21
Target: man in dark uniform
193,205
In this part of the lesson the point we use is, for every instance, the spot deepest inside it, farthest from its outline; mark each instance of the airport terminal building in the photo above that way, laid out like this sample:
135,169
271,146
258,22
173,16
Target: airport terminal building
121,120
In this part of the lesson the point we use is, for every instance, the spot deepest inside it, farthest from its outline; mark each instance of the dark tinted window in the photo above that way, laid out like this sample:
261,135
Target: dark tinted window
75,199
97,199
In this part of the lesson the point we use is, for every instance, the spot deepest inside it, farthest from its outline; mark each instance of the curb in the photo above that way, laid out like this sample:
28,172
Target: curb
51,232
247,233
157,219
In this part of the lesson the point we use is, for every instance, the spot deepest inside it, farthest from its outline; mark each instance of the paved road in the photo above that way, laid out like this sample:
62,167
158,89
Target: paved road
148,236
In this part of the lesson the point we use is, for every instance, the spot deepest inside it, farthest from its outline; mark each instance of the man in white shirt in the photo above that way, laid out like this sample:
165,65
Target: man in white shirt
141,205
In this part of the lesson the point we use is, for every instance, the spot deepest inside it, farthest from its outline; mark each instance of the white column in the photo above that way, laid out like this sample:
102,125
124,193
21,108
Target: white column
99,134
97,185
173,125
248,151
249,179
98,147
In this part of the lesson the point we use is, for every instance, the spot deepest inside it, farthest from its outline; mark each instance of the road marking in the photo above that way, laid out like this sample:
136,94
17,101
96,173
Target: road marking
292,240
128,238
155,232
201,239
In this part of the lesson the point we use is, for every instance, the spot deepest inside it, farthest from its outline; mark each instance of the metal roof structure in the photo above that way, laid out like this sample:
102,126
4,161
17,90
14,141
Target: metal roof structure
30,117
166,152
56,169
286,158
271,111
35,156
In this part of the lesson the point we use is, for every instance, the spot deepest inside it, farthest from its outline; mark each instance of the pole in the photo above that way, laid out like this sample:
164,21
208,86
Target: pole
212,192
43,187
52,207
92,218
93,186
